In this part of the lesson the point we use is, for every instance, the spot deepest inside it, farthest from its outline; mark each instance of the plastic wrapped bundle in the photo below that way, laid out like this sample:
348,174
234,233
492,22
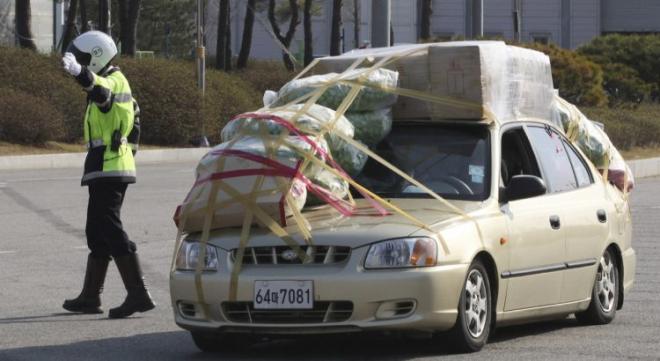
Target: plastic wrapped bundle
349,158
593,142
371,97
329,182
240,166
371,127
315,119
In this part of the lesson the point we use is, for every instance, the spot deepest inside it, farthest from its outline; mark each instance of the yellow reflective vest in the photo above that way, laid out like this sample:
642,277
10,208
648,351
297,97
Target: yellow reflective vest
107,126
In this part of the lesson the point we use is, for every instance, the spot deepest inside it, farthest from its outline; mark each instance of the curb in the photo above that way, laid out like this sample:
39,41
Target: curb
76,160
641,168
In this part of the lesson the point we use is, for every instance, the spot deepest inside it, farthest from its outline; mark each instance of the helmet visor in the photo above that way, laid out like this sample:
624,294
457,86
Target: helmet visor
82,57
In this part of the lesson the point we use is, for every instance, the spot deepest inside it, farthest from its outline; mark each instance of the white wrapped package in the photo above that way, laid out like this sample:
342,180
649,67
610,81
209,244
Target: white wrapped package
593,142
312,122
369,98
244,162
511,82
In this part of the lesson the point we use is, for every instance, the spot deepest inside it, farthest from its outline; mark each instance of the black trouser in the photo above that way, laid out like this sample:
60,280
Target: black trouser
105,234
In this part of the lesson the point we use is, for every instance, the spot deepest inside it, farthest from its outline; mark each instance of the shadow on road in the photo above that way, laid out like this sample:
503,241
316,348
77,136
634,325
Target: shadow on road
178,345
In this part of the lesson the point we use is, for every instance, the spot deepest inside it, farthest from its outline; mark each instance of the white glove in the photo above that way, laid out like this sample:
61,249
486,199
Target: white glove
71,65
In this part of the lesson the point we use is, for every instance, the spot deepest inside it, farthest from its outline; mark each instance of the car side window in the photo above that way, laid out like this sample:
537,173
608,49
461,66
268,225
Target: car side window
582,173
517,156
553,157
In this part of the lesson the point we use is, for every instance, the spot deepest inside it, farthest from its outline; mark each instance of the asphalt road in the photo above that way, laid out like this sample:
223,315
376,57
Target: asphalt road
42,260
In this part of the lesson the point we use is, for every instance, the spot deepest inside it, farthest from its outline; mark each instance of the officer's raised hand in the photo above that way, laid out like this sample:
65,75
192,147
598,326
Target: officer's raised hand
71,65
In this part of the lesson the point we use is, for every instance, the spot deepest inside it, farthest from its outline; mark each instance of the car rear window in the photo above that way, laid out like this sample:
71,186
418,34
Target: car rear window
451,160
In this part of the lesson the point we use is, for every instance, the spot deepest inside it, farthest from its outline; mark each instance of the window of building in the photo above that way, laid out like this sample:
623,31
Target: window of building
542,38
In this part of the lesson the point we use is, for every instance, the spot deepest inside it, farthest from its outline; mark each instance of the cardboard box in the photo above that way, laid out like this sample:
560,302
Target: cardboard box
468,77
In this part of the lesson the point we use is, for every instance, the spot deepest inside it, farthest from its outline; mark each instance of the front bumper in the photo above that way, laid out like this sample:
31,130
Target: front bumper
434,292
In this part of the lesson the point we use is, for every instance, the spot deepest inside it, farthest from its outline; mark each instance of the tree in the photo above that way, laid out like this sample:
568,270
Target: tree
223,50
167,26
246,42
104,15
307,25
356,24
70,26
129,13
286,39
335,32
24,25
84,19
425,23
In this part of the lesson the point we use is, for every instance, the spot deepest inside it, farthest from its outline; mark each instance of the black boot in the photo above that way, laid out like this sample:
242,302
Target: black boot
89,300
138,298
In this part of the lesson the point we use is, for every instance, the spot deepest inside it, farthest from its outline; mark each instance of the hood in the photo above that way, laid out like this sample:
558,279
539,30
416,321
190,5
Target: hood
329,227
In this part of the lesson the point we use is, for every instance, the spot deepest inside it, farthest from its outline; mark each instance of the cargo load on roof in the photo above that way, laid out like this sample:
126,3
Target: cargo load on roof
303,147
479,76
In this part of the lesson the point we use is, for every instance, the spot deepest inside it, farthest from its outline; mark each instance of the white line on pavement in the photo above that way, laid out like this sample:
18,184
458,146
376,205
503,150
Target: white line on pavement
8,252
80,247
2,184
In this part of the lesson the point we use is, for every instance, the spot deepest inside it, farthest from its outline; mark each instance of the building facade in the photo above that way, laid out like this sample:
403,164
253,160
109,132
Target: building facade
47,23
567,23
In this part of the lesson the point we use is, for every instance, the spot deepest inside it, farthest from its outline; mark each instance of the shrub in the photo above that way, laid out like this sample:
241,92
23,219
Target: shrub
629,128
28,119
170,101
623,86
43,77
166,91
266,75
639,52
579,80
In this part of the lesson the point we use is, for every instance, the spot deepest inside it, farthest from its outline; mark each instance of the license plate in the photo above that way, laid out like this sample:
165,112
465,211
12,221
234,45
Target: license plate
283,294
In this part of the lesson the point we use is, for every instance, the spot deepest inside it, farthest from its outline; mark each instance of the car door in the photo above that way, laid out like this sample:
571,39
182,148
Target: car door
536,241
581,205
586,227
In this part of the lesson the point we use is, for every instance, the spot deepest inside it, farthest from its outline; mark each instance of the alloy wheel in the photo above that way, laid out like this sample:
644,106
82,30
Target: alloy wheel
606,286
476,303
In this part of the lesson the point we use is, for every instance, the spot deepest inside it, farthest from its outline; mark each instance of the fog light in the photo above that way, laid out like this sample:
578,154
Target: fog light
187,310
395,309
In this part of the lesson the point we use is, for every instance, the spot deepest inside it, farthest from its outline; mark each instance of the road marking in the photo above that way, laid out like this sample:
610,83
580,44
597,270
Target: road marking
8,252
2,184
80,247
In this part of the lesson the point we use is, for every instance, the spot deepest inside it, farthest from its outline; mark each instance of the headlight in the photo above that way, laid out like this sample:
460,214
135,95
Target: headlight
402,252
188,256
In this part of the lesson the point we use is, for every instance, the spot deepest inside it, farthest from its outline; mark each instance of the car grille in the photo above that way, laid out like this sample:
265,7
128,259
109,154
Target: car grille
323,312
278,255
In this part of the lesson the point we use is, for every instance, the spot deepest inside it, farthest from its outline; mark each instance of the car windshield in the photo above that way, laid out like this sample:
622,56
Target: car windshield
451,160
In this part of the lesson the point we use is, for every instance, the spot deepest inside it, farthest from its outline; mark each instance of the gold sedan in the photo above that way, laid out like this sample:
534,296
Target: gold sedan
542,235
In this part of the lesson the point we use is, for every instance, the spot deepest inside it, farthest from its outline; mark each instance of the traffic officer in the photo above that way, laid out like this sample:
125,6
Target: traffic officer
109,168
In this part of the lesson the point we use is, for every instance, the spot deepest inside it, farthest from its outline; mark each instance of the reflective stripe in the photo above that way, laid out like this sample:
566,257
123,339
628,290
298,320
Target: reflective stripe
101,174
123,97
95,143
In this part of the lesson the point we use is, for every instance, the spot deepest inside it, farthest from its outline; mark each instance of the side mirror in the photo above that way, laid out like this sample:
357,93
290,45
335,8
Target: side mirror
524,186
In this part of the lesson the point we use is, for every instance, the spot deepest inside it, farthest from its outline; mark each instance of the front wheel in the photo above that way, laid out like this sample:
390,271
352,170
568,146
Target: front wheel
473,324
605,293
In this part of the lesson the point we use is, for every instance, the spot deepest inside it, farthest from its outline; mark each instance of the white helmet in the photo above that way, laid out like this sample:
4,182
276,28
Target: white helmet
94,49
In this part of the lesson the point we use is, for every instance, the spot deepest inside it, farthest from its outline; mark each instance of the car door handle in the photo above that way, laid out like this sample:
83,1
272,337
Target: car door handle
602,215
555,223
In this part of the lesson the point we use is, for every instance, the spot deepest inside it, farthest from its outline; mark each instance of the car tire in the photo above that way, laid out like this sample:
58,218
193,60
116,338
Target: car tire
217,342
473,324
604,294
